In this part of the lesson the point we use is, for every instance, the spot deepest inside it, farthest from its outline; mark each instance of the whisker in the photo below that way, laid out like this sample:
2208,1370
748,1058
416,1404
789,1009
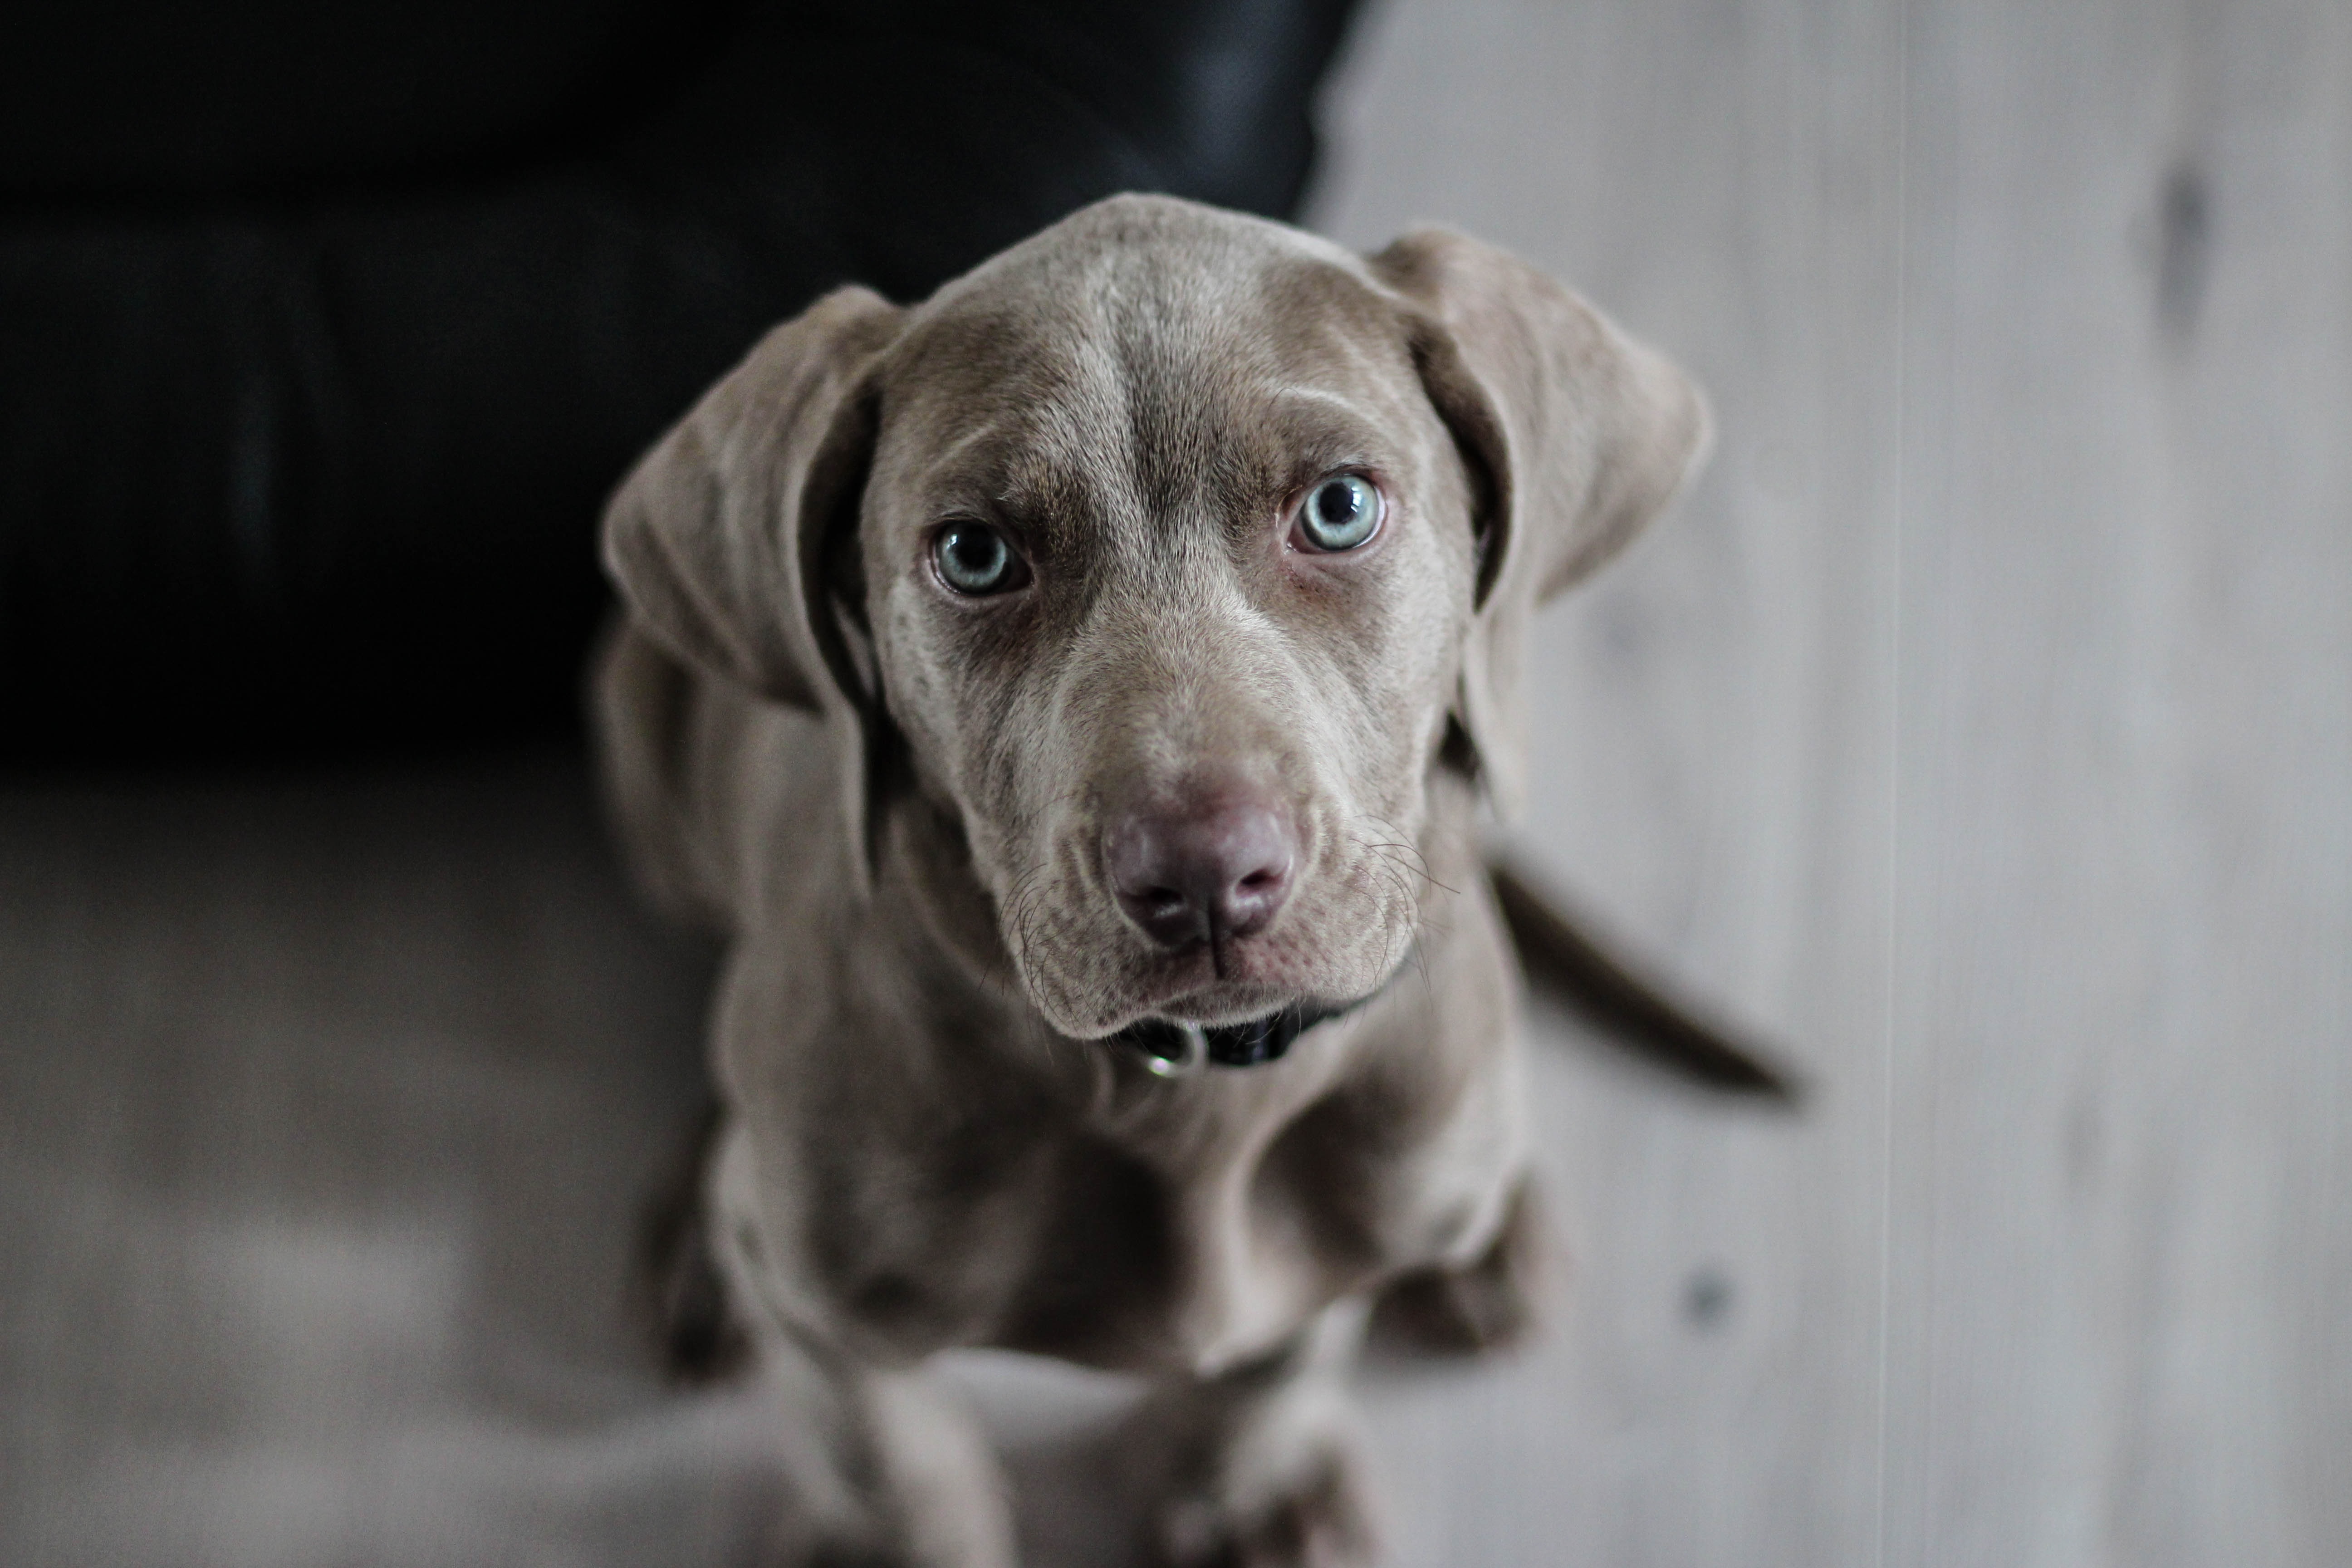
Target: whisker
1395,841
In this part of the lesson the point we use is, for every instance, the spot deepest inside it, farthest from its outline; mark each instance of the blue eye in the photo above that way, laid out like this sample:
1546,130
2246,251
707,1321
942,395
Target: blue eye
976,559
1341,512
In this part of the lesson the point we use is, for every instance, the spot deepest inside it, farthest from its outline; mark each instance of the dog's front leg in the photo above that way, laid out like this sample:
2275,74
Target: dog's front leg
1261,1467
881,1467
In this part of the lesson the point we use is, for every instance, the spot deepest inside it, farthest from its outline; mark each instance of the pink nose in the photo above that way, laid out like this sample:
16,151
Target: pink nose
1203,875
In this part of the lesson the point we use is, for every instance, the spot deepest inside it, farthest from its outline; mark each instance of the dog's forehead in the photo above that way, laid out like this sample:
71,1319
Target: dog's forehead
1153,336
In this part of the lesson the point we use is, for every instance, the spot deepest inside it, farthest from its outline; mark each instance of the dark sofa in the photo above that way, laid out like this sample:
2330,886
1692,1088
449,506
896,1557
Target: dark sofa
324,331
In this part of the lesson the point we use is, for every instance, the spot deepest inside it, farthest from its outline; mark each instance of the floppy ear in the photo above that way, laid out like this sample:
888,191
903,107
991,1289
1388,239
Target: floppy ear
727,540
1575,436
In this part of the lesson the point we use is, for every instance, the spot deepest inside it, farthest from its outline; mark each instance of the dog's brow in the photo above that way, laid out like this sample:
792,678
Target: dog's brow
998,434
996,461
1324,397
1319,429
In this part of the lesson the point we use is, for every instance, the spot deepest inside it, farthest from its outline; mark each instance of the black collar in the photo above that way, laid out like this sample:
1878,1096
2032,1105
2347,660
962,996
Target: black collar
1178,1048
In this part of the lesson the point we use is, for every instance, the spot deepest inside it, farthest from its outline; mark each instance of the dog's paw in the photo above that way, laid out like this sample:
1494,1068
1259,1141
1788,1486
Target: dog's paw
1489,1304
681,1297
1320,1518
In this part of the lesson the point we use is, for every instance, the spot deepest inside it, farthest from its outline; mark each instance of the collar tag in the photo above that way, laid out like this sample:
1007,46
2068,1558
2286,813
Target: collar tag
1191,1043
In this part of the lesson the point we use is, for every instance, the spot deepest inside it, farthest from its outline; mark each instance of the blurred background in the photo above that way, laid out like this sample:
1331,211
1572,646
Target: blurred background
1979,731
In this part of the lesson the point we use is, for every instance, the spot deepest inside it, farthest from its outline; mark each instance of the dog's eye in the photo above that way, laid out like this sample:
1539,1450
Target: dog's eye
975,558
1339,513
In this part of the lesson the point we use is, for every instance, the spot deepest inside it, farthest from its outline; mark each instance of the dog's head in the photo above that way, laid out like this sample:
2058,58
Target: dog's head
1166,559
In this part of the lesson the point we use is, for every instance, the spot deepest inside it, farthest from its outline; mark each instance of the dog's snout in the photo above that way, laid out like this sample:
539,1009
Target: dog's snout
1202,875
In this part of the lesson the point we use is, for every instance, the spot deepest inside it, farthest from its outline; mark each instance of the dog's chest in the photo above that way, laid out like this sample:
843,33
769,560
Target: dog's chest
1187,1223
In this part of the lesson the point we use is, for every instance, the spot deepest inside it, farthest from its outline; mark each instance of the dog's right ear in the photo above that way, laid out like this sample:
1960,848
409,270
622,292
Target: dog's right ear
719,541
1574,434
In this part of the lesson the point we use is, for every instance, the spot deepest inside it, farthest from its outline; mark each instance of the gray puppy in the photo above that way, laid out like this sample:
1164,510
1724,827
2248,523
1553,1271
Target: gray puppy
1074,697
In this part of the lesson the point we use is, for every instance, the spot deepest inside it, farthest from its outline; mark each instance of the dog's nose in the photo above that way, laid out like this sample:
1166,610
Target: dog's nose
1203,875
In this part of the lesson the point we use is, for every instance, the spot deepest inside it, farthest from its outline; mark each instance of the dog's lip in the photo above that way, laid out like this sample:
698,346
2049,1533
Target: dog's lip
1214,1005
1221,1004
1264,1036
1191,992
1220,1017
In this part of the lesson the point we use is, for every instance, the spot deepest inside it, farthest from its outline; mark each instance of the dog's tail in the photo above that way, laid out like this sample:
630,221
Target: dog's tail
1629,1010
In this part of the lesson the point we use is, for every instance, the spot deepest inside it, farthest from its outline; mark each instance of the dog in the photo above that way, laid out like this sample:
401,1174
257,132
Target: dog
1076,698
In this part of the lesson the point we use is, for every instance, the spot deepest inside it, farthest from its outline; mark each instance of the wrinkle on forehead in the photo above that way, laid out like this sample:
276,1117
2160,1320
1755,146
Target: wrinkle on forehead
1101,400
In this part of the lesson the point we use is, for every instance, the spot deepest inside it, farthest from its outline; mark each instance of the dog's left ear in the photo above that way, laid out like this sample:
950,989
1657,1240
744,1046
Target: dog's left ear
1575,437
733,542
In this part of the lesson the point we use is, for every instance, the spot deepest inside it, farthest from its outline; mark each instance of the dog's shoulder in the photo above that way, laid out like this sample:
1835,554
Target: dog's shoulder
720,800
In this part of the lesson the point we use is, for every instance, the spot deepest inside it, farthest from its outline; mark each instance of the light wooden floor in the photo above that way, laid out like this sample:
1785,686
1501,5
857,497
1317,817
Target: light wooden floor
1981,728
1984,725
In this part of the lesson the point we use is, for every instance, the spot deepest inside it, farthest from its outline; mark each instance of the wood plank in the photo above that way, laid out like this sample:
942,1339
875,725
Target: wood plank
1713,754
2128,694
